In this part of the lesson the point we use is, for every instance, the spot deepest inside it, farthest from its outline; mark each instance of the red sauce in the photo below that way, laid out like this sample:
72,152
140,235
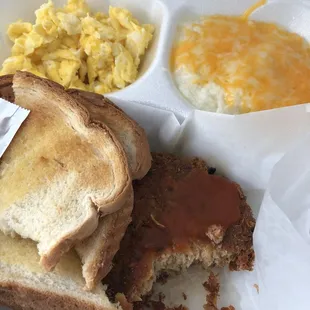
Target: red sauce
191,204
177,203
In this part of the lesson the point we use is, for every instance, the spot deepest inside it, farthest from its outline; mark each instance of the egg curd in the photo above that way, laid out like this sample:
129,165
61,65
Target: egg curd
233,65
79,49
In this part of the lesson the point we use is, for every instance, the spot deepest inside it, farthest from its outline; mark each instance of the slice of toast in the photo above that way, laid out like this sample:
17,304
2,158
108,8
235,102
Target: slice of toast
60,169
128,132
24,285
98,250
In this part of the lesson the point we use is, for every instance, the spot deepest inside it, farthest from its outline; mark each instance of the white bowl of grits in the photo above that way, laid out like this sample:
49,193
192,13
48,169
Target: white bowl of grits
235,65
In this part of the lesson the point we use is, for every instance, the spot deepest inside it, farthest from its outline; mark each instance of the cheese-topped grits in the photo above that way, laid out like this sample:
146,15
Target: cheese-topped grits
78,48
233,65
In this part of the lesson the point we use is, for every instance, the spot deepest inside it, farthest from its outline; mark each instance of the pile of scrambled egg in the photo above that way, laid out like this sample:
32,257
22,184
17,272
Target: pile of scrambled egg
77,49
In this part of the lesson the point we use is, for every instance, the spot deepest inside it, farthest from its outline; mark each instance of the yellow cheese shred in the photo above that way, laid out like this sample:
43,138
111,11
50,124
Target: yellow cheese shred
254,7
259,65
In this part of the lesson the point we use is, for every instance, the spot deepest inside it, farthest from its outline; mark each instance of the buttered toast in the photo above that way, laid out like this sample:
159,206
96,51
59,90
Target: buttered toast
59,171
98,250
25,285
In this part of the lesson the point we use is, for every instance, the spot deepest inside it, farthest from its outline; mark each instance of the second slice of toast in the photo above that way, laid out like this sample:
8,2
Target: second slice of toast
24,284
98,250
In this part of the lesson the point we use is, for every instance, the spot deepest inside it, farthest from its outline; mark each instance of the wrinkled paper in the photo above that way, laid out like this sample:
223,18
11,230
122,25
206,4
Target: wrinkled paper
11,118
268,155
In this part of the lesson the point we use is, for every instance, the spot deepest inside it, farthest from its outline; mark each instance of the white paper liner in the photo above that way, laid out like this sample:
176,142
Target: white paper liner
267,154
11,118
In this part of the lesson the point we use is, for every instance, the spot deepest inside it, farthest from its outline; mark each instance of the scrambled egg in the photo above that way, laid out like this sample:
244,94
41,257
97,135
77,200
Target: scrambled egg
70,45
247,65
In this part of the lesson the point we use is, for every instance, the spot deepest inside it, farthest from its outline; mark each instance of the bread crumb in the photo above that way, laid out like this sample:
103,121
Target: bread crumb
216,233
184,296
212,286
162,278
257,287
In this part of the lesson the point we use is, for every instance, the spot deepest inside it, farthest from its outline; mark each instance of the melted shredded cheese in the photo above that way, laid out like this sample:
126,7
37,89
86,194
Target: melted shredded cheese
259,65
254,7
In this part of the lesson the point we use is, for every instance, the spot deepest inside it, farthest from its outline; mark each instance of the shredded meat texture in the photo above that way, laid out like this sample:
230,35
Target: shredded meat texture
163,278
212,287
180,205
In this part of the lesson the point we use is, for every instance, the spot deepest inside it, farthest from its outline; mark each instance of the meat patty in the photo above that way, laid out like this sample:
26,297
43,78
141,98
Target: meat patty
183,214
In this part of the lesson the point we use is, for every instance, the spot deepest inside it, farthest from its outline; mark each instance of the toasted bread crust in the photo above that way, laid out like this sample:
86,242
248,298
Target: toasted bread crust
102,109
20,297
97,256
97,260
6,90
99,132
103,245
25,285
